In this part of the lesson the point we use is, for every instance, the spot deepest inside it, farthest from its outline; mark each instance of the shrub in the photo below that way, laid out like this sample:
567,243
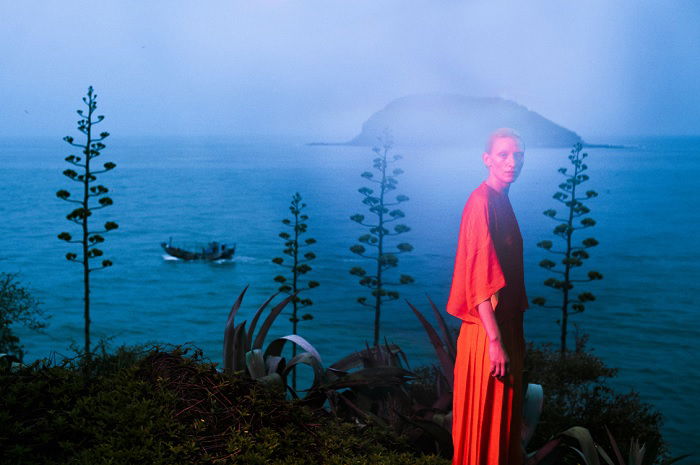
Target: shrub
163,407
17,305
577,393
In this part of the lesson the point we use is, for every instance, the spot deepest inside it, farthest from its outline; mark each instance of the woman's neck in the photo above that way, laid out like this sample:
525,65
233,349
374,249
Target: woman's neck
498,186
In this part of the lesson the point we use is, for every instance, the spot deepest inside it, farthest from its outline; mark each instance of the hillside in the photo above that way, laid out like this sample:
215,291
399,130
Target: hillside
442,119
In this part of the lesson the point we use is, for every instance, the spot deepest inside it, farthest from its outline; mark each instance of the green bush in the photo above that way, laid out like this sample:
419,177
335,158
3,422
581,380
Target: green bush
576,393
164,408
17,305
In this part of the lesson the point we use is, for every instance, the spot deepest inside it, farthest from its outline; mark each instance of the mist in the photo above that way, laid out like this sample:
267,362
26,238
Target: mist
318,69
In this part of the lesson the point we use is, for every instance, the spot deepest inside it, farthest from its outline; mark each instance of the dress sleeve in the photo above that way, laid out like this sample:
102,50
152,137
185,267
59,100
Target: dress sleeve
477,274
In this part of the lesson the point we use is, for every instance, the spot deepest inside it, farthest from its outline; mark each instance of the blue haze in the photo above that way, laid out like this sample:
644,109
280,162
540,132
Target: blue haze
645,320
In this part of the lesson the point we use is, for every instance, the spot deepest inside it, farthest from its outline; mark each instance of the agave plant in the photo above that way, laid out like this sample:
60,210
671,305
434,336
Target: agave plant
577,442
368,376
636,453
446,350
243,349
243,353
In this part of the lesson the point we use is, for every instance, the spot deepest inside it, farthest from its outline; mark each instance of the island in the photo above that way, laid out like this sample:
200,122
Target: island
458,120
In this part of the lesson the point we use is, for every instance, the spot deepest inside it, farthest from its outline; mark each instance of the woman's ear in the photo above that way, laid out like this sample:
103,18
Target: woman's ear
486,159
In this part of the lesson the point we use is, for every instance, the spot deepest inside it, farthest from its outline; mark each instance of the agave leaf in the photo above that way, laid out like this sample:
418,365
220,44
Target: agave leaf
256,317
372,377
364,413
273,380
229,330
447,364
239,346
437,432
674,459
581,454
444,420
636,452
450,343
275,347
604,454
274,363
614,446
255,363
260,338
235,307
355,359
583,436
396,355
307,359
544,451
532,409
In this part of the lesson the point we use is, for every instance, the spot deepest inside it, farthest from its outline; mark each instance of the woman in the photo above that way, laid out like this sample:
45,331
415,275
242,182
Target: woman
488,295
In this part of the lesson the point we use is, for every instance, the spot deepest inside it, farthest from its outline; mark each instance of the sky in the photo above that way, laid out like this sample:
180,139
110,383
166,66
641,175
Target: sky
320,68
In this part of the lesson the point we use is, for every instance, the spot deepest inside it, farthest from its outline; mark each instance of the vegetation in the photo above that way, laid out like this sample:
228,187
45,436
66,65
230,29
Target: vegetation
156,406
368,386
572,255
168,407
298,267
577,393
89,239
17,305
379,205
576,390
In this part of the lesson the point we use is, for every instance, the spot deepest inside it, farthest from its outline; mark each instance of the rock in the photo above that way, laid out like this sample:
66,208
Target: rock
449,119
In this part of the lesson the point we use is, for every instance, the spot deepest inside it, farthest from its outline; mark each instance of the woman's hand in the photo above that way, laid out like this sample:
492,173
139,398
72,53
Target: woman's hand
500,363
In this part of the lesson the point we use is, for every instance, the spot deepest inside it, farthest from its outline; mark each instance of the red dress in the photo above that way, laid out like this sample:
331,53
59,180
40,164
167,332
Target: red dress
487,412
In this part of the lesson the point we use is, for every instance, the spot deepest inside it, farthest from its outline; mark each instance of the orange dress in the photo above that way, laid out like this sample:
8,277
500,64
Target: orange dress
486,411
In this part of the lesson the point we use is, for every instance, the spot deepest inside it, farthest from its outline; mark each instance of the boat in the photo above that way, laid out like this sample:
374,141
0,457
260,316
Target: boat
212,252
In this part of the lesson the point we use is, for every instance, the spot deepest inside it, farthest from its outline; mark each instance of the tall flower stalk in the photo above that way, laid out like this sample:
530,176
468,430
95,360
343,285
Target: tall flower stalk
89,192
575,218
378,236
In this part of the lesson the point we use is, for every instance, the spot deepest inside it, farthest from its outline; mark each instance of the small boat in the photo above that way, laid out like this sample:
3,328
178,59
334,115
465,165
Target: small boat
212,252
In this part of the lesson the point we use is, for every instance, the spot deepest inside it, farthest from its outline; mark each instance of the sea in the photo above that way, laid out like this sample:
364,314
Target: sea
192,190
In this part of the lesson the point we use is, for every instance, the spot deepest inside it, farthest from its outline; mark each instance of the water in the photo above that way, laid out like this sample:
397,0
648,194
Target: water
644,321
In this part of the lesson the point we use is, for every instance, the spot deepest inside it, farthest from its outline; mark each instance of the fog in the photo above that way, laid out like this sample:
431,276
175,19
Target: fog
319,68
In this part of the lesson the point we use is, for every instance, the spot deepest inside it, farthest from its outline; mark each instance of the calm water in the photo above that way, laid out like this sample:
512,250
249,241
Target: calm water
644,321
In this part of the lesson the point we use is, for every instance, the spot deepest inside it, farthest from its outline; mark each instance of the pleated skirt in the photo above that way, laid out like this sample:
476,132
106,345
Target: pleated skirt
487,412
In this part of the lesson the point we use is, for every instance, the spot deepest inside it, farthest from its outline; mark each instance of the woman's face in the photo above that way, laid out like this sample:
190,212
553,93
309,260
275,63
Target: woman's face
505,160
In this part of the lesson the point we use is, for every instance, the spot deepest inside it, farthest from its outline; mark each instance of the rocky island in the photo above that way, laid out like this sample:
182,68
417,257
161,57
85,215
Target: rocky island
450,119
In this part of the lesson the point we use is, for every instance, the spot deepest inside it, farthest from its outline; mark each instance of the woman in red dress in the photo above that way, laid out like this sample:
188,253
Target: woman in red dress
488,295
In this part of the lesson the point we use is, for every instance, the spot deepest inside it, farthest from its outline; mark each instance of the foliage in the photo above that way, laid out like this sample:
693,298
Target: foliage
636,455
577,446
243,350
577,393
298,267
367,387
167,407
90,239
17,305
445,348
378,205
572,255
432,394
54,414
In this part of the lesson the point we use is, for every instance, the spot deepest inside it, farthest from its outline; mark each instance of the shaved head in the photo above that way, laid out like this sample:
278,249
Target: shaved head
501,133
